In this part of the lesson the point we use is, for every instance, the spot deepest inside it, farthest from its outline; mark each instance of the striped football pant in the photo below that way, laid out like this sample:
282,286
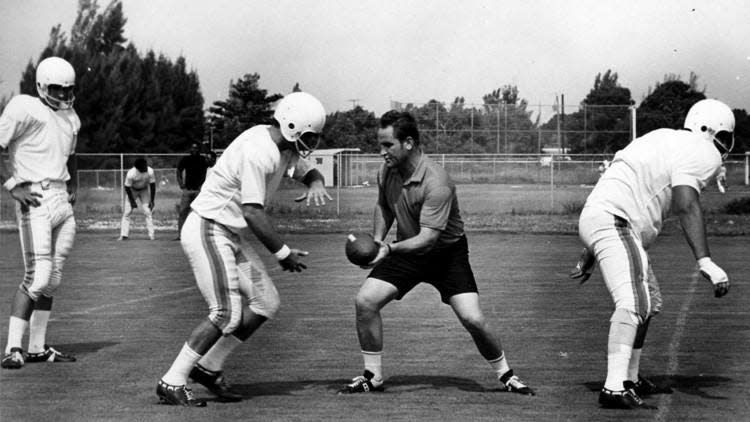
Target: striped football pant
228,272
47,233
622,260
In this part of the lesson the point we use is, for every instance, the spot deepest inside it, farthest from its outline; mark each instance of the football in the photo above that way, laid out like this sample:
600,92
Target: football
361,248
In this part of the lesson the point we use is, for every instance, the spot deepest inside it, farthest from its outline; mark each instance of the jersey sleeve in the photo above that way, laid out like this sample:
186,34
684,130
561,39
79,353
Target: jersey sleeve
695,169
129,179
13,122
252,180
436,207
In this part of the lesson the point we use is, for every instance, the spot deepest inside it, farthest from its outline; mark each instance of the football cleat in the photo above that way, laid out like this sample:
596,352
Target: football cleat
14,359
362,384
121,238
625,399
49,355
178,395
215,383
644,387
511,383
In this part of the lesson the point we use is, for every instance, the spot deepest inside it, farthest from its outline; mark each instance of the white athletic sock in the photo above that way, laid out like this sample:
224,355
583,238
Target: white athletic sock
619,350
634,366
180,369
38,330
374,364
499,365
16,329
214,359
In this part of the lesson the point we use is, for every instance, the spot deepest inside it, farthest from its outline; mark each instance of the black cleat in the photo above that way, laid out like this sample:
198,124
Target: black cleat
215,383
49,355
14,359
511,383
644,387
362,384
177,395
625,399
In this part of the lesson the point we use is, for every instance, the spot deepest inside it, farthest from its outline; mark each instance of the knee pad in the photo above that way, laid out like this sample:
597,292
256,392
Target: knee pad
266,305
625,316
227,318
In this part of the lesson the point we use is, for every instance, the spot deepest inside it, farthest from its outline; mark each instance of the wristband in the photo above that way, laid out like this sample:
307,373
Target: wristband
10,183
704,261
283,253
390,251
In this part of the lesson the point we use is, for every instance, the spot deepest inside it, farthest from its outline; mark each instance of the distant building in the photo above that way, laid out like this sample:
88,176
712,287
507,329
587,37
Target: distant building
324,160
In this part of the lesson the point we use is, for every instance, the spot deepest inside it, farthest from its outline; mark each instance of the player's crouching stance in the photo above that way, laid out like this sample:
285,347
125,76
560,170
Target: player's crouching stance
216,239
431,247
661,171
40,135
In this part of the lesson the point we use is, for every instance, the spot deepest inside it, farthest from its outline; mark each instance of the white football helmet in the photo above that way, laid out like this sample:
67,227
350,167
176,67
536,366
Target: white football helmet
713,120
300,113
56,71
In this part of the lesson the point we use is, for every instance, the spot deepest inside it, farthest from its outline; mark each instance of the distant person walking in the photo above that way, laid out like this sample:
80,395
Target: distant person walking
191,173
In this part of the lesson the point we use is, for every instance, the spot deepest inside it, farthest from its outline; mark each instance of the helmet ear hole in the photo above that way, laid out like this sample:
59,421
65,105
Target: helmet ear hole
291,126
704,128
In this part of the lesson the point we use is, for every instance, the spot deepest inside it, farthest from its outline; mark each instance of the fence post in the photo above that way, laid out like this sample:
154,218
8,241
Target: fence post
122,182
552,183
747,168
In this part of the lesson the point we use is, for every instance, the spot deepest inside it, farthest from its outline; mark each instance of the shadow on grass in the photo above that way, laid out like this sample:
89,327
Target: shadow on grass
84,348
693,385
399,383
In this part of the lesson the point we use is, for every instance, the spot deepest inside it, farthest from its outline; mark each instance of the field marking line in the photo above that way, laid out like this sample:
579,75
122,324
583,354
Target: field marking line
665,400
64,315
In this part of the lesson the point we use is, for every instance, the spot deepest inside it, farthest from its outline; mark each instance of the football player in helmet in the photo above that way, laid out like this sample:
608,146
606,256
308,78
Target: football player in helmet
40,136
217,238
663,171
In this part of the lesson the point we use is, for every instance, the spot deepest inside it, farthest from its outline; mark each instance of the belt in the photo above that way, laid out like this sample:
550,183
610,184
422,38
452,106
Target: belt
50,184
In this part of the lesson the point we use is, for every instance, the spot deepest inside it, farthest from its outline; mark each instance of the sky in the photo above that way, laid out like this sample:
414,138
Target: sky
369,52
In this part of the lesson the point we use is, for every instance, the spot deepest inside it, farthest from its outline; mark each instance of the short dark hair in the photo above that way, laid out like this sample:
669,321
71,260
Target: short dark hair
403,124
141,164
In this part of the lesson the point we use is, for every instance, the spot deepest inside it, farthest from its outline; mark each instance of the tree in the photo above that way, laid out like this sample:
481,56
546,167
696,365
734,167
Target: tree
668,104
355,128
603,121
127,103
247,105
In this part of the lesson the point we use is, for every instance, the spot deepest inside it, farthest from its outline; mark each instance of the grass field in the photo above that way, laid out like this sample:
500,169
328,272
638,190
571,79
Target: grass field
126,308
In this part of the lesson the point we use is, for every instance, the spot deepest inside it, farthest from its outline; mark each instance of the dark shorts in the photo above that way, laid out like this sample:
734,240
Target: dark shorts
447,269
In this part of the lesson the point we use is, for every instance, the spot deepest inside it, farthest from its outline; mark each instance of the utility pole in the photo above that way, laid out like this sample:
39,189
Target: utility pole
354,101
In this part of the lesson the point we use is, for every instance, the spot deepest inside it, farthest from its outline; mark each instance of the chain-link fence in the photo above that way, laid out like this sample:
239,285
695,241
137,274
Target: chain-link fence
525,183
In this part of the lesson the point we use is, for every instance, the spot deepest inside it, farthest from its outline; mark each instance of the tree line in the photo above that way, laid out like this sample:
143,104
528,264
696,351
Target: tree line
147,103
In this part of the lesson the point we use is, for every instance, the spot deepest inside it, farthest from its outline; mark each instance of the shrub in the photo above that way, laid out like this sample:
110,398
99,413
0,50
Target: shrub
738,206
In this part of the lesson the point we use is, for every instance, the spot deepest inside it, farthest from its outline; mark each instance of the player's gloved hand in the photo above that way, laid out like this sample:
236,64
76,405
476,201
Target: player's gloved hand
721,183
23,194
151,206
715,275
584,267
292,262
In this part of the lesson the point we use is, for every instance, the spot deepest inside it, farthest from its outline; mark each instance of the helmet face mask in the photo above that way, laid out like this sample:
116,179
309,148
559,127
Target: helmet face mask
55,83
714,121
301,118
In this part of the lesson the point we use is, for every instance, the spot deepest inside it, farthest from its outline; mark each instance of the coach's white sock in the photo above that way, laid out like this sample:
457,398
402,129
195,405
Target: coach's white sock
180,369
38,330
16,329
374,364
499,365
214,359
634,366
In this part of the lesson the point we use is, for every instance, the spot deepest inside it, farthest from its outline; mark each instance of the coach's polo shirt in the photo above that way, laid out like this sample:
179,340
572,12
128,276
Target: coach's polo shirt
426,199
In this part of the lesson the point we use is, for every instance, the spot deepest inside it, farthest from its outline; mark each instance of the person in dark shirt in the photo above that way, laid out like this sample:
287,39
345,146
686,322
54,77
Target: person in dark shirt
191,172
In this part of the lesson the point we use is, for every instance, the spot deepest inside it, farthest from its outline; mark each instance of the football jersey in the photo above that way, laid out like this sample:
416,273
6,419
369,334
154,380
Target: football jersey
248,172
39,139
638,184
139,180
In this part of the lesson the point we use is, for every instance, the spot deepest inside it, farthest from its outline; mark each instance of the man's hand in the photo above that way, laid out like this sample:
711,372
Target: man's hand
584,267
317,192
715,275
382,253
292,263
151,205
133,205
23,194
